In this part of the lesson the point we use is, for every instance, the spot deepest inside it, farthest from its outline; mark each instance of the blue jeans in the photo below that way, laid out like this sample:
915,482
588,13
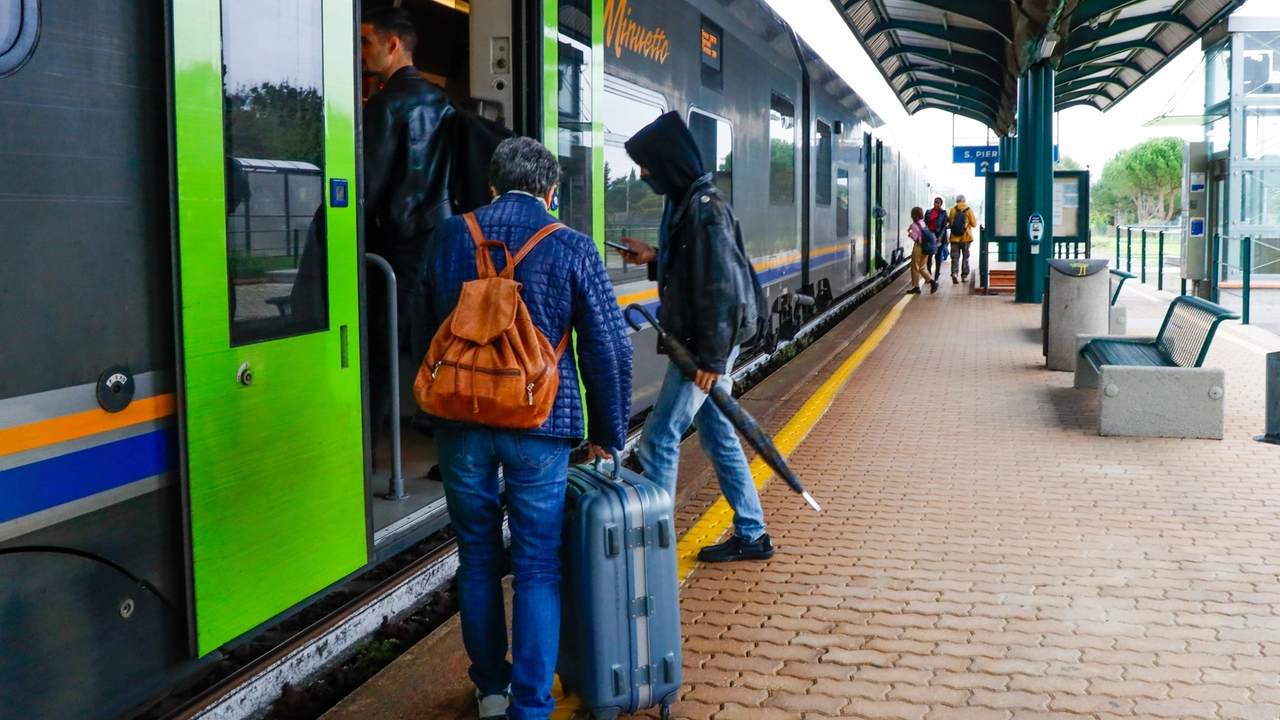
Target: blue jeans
680,403
534,469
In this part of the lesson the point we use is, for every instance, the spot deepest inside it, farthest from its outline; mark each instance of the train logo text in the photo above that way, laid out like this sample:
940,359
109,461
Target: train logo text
620,31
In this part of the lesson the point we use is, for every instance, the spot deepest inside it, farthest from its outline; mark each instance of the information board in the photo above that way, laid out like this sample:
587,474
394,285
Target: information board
1006,207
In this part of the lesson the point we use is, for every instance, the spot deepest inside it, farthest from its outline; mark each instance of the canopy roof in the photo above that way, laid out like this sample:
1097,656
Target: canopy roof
965,56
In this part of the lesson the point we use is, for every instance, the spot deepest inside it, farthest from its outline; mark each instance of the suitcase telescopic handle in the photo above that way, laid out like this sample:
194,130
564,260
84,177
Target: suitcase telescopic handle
617,464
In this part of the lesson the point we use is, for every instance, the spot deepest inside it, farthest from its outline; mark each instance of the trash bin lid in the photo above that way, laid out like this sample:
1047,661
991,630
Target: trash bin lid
1078,268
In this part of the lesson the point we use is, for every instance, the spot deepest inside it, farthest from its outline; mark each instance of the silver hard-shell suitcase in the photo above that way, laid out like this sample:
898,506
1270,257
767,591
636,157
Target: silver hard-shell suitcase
620,607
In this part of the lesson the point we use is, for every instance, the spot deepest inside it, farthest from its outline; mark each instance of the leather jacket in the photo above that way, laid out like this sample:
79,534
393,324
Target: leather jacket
711,298
408,127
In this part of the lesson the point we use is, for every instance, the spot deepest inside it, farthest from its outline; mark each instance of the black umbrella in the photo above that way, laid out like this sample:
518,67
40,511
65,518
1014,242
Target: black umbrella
740,418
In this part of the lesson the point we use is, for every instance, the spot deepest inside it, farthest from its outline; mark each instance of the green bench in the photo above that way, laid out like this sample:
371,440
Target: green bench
1156,387
1118,320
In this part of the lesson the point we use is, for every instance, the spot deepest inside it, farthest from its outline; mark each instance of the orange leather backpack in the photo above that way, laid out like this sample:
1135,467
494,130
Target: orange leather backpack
488,363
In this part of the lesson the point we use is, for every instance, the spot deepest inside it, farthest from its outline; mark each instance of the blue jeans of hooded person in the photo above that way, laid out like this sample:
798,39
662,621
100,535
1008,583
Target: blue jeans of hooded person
679,404
534,469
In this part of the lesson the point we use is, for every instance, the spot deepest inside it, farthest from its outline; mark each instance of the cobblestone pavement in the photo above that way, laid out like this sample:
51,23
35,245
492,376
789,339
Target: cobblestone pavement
985,554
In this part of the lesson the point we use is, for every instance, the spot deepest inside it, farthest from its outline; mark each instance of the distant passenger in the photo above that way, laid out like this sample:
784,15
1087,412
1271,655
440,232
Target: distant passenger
923,244
711,302
961,224
566,288
407,128
936,220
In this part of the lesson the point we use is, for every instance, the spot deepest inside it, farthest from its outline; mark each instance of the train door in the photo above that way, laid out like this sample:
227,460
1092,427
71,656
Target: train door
263,109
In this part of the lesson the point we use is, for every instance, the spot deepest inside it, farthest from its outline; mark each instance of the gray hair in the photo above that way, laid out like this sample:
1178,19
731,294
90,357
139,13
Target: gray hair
523,164
959,198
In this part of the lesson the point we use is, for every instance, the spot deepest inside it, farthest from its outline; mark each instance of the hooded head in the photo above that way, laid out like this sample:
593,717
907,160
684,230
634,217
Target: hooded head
666,148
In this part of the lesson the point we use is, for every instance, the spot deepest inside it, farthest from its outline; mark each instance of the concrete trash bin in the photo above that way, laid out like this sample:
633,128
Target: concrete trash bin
1079,303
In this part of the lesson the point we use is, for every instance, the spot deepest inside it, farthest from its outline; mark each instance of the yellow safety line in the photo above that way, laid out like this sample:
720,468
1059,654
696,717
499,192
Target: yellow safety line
713,524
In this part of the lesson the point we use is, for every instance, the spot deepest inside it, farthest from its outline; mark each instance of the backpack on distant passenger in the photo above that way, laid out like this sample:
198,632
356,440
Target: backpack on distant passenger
475,138
488,363
959,225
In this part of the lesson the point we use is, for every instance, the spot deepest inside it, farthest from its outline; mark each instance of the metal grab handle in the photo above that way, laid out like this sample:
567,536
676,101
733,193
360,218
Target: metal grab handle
396,491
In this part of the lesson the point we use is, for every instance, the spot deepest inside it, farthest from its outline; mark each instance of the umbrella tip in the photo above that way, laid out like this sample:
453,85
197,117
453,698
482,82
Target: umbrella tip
809,499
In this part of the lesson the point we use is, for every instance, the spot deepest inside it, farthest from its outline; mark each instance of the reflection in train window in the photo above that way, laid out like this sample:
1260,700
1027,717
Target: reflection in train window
273,114
842,203
782,150
822,185
574,111
714,137
19,26
630,207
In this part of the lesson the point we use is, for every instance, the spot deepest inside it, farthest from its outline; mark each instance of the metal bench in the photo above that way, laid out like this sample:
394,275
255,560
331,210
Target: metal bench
1119,316
1156,387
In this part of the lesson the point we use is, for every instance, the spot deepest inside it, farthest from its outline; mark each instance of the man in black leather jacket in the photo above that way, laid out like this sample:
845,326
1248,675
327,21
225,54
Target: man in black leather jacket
408,126
712,302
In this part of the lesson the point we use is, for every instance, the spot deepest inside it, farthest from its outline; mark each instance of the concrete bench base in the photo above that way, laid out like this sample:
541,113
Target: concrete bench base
1119,321
1171,402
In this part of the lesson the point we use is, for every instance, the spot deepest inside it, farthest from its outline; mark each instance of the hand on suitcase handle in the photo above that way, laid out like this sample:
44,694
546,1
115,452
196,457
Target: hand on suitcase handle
598,458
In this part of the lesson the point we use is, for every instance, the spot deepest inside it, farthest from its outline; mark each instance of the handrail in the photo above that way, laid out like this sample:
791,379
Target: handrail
396,490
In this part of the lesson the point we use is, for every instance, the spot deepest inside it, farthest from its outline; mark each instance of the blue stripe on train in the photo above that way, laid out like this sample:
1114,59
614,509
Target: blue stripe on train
63,479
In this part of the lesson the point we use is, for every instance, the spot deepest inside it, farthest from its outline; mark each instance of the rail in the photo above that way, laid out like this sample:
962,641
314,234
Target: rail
1160,234
396,490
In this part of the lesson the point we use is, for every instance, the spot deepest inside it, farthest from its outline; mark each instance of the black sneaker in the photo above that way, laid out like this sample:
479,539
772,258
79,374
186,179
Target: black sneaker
735,548
913,291
933,287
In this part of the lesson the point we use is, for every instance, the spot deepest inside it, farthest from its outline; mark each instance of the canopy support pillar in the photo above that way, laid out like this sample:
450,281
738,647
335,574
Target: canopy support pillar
1035,178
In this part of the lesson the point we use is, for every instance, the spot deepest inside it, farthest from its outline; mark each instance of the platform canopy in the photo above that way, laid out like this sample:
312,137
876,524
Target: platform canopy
965,56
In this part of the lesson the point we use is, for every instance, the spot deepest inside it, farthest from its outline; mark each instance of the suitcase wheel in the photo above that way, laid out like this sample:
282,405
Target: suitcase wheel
666,712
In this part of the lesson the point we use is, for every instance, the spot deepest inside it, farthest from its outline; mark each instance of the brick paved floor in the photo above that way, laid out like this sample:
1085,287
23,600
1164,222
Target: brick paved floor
984,554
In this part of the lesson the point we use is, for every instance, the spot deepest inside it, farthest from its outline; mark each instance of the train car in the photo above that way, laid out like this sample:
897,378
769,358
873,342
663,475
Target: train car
185,455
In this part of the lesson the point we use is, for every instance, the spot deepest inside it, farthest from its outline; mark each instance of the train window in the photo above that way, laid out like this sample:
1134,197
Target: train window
842,203
822,188
19,27
715,142
712,55
782,150
273,125
630,207
575,136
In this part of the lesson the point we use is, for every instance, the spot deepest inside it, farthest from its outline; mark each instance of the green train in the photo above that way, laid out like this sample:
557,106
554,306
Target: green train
185,456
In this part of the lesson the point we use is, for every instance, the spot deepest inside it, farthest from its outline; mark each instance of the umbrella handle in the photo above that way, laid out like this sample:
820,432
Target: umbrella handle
648,316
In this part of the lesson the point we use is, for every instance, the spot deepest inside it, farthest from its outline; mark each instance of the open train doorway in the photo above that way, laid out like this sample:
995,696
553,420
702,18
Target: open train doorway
474,53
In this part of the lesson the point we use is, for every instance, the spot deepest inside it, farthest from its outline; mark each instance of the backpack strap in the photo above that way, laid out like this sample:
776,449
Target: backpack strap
484,262
529,245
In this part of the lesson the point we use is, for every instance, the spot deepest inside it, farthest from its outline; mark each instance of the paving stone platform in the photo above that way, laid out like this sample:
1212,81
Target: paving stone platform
983,553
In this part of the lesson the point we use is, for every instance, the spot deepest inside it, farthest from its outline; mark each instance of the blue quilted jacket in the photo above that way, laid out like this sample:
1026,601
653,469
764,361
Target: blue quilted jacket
565,287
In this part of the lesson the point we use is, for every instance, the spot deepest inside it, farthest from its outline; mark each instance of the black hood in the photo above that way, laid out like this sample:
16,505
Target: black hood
666,148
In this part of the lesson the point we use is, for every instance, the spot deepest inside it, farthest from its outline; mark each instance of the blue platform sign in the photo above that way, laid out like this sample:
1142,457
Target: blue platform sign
978,153
974,153
982,167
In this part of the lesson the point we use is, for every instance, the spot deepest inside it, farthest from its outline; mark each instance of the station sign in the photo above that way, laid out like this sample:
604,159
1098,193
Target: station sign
979,153
982,167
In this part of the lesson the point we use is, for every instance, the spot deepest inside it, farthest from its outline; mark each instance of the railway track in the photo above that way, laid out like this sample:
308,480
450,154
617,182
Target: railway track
251,691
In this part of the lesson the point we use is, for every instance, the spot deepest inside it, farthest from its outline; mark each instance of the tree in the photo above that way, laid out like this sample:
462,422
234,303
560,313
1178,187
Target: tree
1141,184
1066,162
276,122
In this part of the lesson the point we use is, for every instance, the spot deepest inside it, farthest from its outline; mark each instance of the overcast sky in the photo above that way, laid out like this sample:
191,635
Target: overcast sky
1087,135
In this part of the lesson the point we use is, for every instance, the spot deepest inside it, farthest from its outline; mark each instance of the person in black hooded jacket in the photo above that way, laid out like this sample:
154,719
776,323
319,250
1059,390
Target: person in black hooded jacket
712,302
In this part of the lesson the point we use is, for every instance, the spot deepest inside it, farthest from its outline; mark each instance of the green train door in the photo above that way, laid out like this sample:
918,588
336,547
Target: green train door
264,103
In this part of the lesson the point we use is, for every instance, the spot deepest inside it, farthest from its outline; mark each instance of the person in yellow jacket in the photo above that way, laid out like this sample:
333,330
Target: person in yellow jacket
963,225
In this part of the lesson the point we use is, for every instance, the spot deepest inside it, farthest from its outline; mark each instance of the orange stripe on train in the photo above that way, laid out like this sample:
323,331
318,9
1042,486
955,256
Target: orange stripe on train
71,427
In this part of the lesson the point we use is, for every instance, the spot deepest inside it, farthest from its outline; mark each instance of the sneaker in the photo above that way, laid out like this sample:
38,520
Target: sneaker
955,279
913,291
964,278
735,548
933,287
493,707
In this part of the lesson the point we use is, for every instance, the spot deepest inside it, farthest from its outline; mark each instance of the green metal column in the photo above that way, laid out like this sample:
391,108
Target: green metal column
1035,178
1008,153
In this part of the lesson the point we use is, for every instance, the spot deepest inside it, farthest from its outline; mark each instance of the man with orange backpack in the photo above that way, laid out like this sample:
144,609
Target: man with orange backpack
509,293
